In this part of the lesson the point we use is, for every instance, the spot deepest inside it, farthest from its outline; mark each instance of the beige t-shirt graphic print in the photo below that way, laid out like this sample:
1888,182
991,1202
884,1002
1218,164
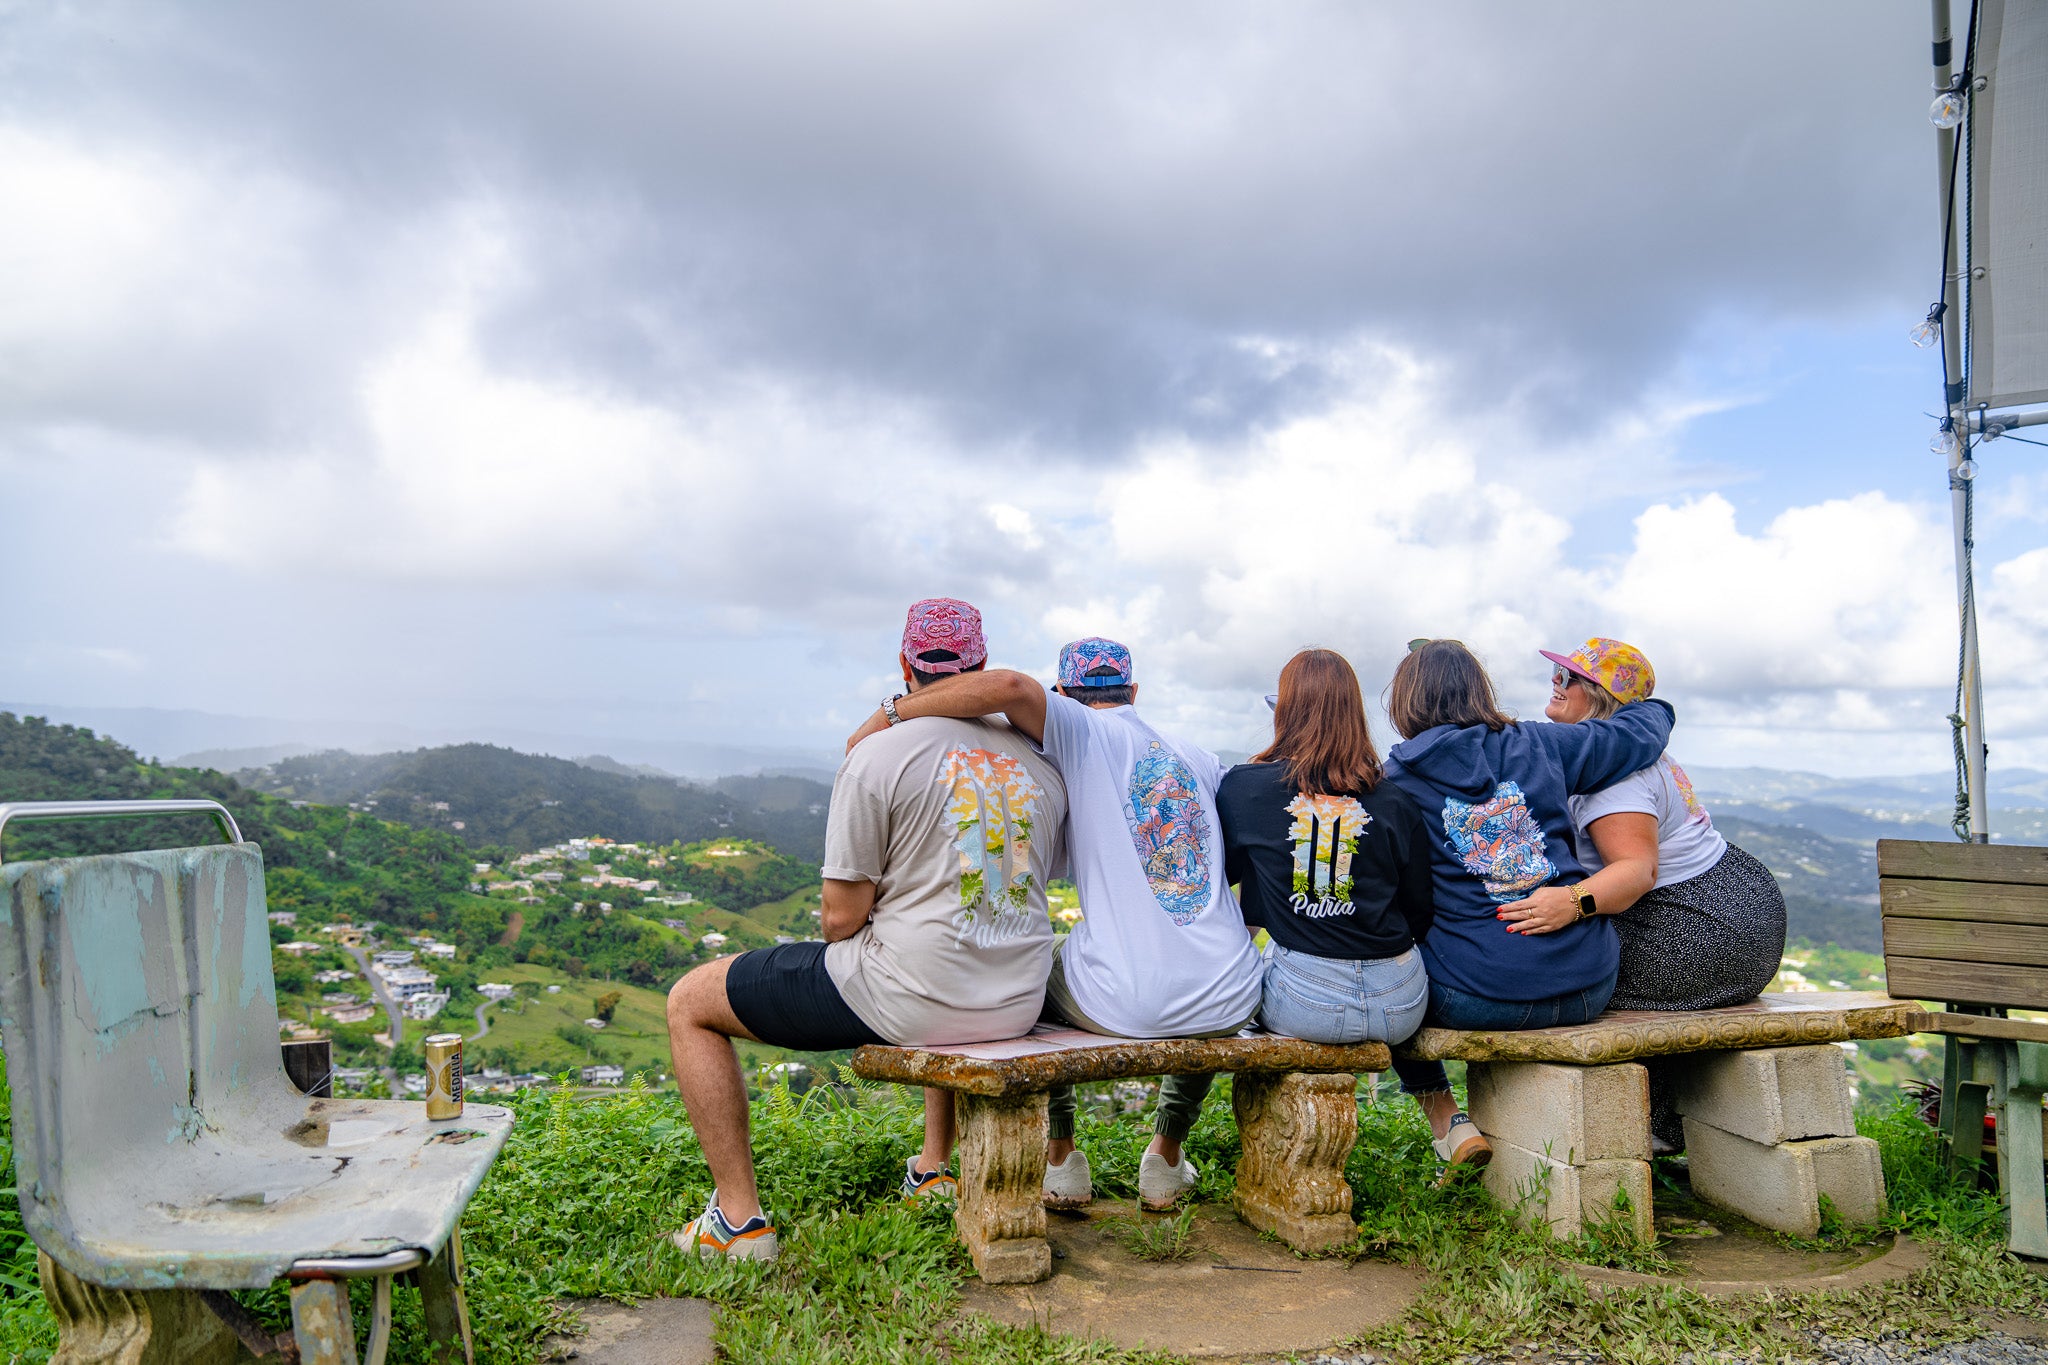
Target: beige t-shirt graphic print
994,811
958,824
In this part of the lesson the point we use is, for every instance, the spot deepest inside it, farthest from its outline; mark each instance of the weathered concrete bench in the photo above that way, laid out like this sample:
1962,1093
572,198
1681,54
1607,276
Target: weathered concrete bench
1297,1114
1967,924
1769,1124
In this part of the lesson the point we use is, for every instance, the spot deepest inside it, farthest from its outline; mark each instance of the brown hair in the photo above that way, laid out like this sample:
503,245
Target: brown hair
1442,683
1319,727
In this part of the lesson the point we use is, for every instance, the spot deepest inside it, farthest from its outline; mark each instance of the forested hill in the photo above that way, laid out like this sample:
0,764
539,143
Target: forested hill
486,795
359,866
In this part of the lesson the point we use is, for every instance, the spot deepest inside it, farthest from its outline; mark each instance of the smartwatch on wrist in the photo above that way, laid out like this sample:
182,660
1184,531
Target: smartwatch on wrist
889,708
1584,898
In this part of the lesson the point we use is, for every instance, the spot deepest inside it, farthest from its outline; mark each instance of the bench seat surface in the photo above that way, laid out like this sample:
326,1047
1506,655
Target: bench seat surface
1787,1020
1050,1056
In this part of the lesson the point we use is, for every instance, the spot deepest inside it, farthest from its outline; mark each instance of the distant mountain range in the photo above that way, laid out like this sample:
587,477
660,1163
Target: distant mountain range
487,795
227,743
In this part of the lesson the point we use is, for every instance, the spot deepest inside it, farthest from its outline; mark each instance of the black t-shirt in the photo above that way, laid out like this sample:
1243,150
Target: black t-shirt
1332,876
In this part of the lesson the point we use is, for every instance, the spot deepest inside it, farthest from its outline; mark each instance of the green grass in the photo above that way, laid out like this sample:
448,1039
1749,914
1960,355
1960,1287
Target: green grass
637,1038
578,1204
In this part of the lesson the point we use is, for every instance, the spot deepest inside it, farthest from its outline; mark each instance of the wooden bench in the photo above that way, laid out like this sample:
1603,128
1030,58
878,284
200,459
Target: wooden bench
1967,924
1297,1114
1769,1123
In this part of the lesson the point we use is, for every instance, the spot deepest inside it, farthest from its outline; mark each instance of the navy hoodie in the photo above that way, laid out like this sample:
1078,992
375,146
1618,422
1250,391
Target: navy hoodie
1499,828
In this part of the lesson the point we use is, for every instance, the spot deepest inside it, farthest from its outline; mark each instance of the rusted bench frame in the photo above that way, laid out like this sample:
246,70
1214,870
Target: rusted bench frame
1297,1114
1967,924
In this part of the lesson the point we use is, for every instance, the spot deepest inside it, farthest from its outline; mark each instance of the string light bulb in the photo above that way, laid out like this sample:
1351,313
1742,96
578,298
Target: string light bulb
1945,443
1967,470
1947,110
1926,334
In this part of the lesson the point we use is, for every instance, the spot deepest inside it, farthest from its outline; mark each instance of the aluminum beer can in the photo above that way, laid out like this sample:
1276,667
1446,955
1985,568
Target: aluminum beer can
444,1076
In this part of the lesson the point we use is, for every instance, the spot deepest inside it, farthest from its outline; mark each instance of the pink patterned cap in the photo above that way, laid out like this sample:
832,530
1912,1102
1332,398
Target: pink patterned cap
948,624
1617,666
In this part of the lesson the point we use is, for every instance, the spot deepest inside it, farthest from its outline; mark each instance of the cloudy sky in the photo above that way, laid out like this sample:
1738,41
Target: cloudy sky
623,369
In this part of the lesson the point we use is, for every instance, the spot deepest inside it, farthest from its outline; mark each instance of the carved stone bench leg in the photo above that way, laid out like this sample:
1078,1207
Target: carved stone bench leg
1297,1130
1567,1140
132,1326
1768,1131
1002,1169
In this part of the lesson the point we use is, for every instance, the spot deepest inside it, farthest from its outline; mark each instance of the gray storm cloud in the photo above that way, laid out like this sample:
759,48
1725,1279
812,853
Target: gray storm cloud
1060,226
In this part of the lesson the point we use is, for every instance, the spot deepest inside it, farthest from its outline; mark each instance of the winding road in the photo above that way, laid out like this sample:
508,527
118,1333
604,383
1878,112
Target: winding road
483,1025
391,1007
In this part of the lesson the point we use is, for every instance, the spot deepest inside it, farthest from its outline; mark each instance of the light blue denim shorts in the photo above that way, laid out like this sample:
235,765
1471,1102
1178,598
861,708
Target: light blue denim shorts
1343,1000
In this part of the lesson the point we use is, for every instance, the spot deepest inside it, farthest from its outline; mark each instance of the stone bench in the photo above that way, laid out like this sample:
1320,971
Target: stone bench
1297,1116
1764,1094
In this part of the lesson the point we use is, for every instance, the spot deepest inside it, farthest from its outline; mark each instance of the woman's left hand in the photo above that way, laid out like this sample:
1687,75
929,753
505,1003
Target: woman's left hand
1550,909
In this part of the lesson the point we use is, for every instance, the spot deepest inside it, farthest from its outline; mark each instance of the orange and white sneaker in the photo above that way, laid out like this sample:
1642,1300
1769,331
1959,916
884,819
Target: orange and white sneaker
1464,1145
711,1235
937,1184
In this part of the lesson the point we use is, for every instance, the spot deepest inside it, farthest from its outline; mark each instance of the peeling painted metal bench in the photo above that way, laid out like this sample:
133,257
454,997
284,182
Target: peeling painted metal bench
1967,924
1769,1121
1297,1114
162,1155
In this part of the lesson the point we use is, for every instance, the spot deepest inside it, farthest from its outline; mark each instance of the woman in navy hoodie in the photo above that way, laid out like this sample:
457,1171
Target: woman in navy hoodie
1495,793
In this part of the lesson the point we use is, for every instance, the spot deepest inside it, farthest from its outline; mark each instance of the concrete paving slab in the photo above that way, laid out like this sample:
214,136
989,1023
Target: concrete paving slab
1236,1294
651,1332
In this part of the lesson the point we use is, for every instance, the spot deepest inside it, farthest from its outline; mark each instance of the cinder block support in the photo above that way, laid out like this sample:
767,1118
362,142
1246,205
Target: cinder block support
1572,1114
1002,1169
1779,1185
1570,1198
1768,1095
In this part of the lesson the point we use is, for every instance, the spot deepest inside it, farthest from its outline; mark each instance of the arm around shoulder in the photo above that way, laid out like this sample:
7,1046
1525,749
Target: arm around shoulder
1599,753
1019,697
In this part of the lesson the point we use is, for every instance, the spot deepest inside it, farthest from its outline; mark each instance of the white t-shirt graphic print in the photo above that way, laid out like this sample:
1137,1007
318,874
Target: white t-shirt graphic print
958,824
1161,950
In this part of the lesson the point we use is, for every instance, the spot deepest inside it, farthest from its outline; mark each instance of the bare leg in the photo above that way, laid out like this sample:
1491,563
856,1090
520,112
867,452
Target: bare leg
701,1027
1057,1150
1438,1107
938,1130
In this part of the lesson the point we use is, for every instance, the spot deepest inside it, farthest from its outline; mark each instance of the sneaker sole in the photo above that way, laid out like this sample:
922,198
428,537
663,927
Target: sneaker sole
1172,1201
1060,1204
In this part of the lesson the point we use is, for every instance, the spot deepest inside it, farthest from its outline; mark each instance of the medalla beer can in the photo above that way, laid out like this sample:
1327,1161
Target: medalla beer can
444,1076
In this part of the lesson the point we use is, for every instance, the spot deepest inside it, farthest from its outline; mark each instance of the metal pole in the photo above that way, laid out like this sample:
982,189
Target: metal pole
1953,323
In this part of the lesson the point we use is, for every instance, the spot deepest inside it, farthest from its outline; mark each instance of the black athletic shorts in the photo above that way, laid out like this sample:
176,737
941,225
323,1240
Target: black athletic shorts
785,997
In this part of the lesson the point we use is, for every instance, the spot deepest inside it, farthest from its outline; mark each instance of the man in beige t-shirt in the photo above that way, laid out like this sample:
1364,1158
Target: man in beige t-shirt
940,841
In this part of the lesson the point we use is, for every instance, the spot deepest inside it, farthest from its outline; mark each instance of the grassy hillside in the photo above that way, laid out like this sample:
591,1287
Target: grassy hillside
488,796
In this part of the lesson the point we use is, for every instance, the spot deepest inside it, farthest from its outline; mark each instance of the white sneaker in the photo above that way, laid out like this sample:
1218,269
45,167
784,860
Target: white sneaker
1161,1186
1067,1185
1464,1145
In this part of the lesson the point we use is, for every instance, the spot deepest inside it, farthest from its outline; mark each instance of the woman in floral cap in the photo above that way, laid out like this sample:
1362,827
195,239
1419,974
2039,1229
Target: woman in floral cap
1710,928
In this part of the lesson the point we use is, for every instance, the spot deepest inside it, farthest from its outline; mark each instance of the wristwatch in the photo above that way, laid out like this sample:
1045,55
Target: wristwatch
1585,900
889,708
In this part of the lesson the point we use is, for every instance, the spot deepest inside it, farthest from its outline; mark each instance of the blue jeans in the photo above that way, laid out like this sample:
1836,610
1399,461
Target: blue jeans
1342,1000
1453,1008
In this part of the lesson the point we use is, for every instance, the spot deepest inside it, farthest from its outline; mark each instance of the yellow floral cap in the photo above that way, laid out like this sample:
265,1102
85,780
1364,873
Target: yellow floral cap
1614,664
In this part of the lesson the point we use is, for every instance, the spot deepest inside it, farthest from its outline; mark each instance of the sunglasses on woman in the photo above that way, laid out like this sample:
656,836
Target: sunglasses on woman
1561,679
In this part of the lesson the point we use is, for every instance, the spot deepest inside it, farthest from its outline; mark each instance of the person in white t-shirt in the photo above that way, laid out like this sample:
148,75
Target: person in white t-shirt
1161,950
939,843
1705,921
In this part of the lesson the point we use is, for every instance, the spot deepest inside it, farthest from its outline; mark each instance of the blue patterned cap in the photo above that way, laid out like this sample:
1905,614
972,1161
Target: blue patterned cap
1094,652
